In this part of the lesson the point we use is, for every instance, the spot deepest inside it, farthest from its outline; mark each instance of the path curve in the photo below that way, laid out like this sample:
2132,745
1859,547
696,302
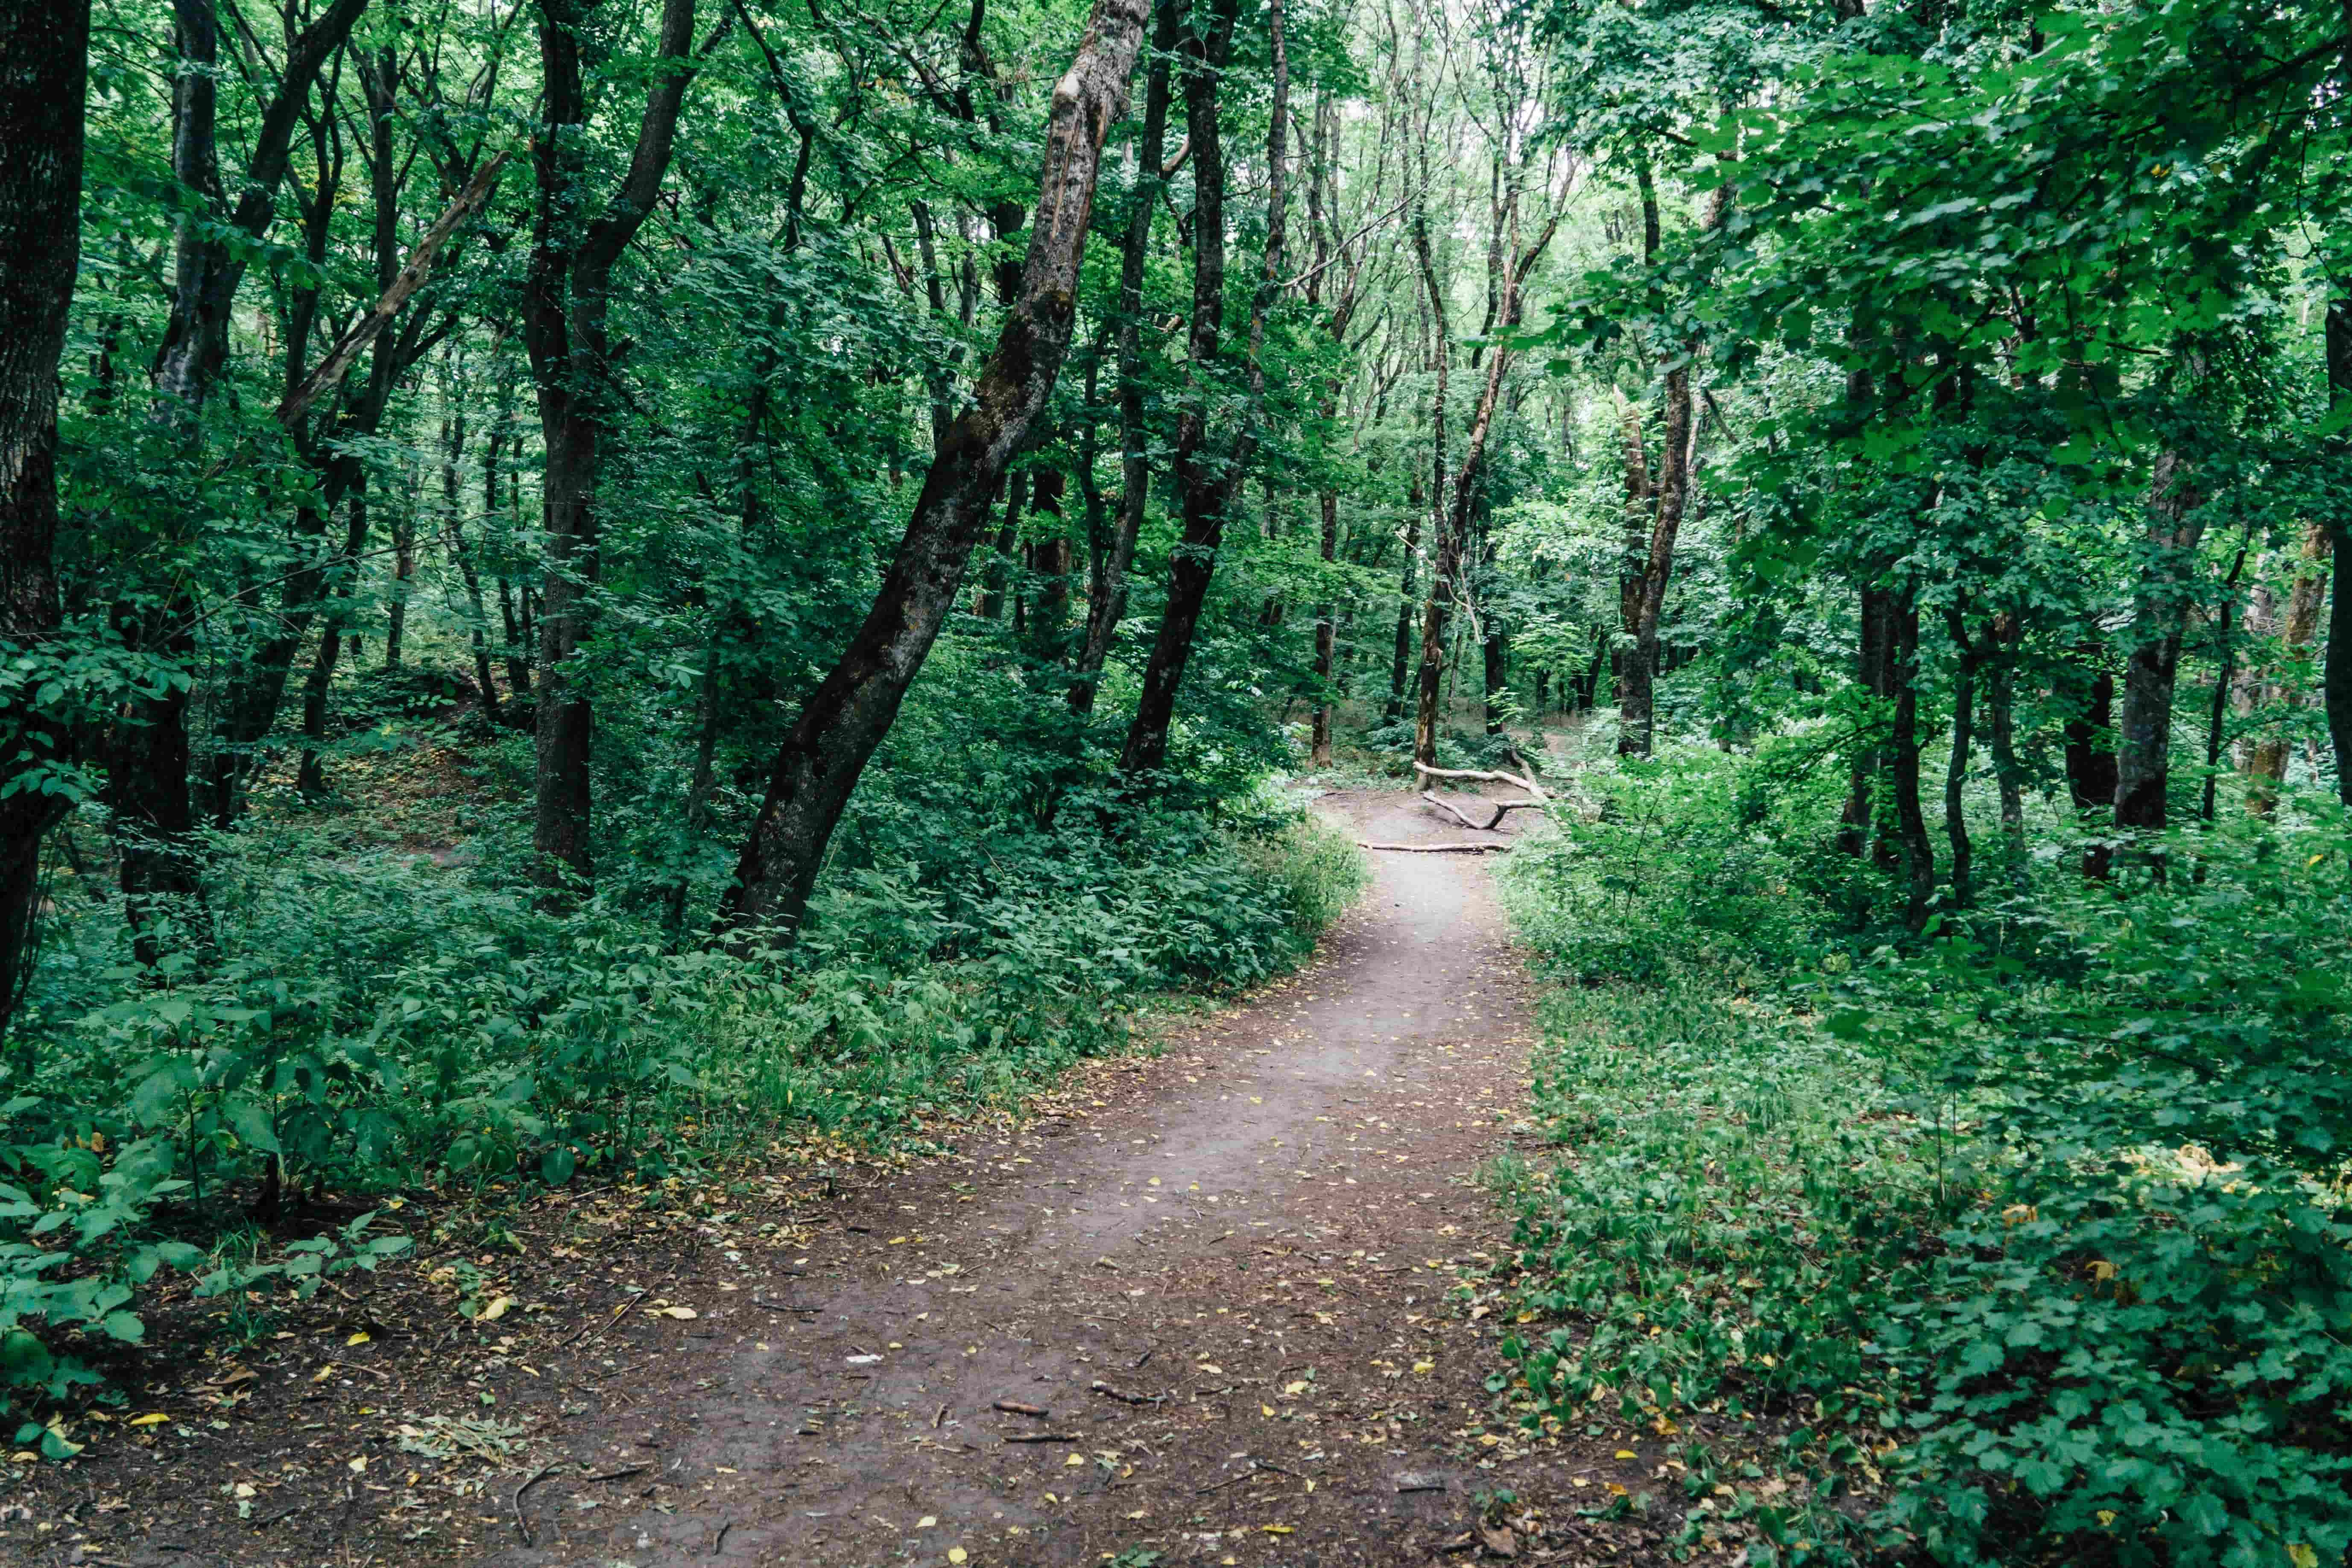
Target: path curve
1249,1237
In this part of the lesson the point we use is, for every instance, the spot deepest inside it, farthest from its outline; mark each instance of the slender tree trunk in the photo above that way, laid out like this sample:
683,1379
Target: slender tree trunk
1875,674
310,773
853,707
453,452
997,580
567,291
1919,857
2266,765
1327,641
1106,604
1956,775
2143,740
44,88
1415,502
2008,777
404,570
1205,487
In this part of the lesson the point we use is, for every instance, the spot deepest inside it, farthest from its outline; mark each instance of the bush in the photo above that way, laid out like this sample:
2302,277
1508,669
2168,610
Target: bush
372,1020
2049,1203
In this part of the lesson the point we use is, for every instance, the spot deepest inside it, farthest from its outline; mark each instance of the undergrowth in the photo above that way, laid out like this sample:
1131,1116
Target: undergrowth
2024,1240
347,1019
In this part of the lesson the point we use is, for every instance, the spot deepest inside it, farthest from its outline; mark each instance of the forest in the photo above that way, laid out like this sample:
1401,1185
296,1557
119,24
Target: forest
592,587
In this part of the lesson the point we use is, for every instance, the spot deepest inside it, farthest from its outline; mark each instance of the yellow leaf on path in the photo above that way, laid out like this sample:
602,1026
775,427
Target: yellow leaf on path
358,1338
1275,1529
1265,1410
1627,1454
680,1312
1206,1366
357,1467
1424,1367
1293,1388
927,1521
1617,1489
153,1418
956,1554
1073,1461
496,1310
324,1373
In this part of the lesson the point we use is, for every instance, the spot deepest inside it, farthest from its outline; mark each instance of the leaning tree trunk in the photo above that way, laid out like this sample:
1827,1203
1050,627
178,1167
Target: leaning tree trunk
43,78
851,710
2144,738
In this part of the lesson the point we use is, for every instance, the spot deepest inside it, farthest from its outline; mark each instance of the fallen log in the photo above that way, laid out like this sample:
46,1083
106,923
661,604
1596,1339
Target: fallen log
1498,847
1502,809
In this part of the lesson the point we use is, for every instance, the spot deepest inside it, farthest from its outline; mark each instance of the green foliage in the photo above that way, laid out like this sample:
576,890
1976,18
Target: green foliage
2040,1216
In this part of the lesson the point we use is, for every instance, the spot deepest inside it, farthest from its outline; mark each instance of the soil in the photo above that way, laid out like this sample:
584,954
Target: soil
1226,1303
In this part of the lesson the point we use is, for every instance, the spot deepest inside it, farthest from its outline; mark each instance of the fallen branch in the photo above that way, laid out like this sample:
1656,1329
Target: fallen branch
1037,1437
1105,1389
618,1313
1498,848
1015,1408
1515,779
1502,808
521,1528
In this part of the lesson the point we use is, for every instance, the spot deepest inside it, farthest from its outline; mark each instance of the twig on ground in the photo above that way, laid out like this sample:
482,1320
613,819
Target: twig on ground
522,1526
618,1313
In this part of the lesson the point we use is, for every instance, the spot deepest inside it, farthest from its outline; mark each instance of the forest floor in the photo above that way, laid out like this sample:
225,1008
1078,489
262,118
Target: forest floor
1223,1303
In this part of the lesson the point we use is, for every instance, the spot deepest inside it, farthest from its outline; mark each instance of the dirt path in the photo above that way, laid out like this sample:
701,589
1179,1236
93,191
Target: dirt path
1220,1294
1210,1310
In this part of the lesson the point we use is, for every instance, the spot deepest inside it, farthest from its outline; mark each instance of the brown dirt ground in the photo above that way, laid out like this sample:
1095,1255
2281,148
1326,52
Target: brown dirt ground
1226,1304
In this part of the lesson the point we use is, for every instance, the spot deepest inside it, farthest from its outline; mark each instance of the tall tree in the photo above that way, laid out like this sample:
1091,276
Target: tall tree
44,88
852,707
576,241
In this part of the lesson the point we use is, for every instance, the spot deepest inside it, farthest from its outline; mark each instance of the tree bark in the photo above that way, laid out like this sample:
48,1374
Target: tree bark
1956,775
1416,502
2008,777
1106,599
2143,740
851,710
1918,856
1875,673
2266,763
1205,487
566,295
44,89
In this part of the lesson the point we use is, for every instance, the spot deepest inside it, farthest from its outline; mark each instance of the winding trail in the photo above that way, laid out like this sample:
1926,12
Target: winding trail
1222,1277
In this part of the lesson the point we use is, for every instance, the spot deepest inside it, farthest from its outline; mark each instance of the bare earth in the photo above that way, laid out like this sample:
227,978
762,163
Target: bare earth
1211,1312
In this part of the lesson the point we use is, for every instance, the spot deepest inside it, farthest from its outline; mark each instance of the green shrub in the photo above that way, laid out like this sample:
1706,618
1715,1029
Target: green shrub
2052,1198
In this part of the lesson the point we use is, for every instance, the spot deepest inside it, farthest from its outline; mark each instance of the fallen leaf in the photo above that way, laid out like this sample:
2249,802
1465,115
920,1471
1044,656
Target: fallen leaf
358,1338
153,1418
357,1467
1073,1461
1277,1529
495,1310
1627,1454
1293,1388
682,1313
956,1554
927,1521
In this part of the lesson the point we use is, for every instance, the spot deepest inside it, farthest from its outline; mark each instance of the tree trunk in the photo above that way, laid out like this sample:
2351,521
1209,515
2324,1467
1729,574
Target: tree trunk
1875,674
2008,777
1106,603
997,578
453,452
2266,764
1415,502
404,570
1327,642
851,711
1903,756
310,773
1956,774
44,83
1445,550
566,294
1205,487
2144,740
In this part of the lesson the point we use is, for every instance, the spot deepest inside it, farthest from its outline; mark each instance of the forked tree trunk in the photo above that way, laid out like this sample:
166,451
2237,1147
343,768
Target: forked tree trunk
44,81
1206,485
1106,598
851,710
566,294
